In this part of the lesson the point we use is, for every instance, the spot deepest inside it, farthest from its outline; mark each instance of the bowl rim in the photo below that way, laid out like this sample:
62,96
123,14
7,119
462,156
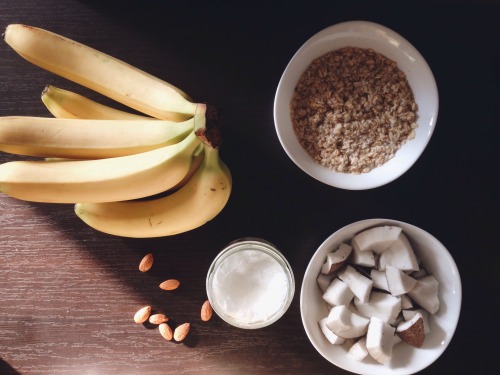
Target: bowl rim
450,316
386,41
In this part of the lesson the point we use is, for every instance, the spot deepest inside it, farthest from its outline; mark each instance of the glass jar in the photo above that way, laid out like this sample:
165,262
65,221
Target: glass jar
250,283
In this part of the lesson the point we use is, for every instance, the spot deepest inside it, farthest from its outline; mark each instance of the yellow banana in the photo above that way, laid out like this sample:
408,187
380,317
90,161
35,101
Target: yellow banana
88,139
194,204
100,72
67,104
103,180
198,156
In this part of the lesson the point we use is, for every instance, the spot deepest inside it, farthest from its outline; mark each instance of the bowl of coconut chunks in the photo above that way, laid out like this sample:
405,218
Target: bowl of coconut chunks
381,296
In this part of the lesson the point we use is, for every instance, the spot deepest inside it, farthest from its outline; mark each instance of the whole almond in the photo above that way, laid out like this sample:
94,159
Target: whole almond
158,318
146,263
170,284
181,331
165,331
142,314
206,311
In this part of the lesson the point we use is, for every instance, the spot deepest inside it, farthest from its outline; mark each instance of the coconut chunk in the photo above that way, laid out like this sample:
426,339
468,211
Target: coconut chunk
338,293
360,285
353,308
325,280
362,258
381,305
419,274
380,340
400,254
399,282
379,279
330,336
412,331
408,314
396,340
377,238
425,293
336,259
358,351
406,302
344,323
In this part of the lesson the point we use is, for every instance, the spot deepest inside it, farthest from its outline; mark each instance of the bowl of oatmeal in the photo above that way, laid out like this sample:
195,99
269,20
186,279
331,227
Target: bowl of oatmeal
356,106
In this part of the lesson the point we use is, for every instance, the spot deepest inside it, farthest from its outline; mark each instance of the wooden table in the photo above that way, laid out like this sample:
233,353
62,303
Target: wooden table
68,293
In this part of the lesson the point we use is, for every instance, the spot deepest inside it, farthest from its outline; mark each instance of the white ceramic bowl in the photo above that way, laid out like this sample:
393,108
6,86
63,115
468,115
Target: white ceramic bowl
360,34
405,358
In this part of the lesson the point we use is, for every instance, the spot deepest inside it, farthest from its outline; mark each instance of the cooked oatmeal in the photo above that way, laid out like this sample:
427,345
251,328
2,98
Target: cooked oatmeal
352,109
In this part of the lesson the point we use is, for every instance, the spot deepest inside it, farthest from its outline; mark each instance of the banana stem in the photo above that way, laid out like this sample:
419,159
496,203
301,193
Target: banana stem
210,134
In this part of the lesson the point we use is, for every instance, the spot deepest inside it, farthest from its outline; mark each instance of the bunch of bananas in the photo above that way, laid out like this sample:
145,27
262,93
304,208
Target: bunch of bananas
105,160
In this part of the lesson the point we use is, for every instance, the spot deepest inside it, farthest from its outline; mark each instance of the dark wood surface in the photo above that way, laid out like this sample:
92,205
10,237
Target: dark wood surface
68,293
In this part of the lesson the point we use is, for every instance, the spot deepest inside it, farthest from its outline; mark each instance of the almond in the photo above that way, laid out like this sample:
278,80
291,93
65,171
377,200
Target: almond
181,331
142,314
165,331
170,284
146,263
158,318
206,311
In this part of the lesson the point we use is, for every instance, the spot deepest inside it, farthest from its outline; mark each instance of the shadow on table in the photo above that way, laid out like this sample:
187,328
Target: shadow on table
185,257
6,369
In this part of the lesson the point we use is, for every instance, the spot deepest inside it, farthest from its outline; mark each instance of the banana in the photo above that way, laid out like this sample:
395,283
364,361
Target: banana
103,180
198,156
100,72
89,139
67,104
152,176
194,204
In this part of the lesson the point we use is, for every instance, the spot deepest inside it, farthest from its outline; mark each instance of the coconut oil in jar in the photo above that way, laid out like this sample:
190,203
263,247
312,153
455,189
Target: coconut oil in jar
250,284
